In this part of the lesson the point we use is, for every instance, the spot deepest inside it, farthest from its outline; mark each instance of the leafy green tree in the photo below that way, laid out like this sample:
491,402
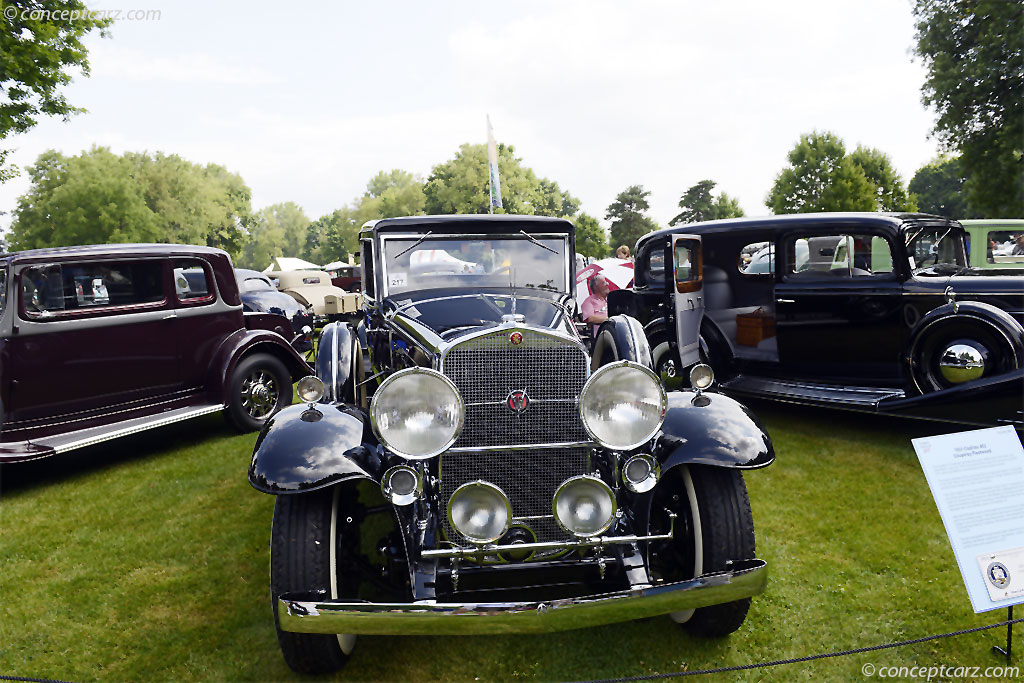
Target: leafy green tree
698,204
92,198
590,237
974,53
460,186
392,193
98,197
938,186
40,45
279,230
333,237
821,177
626,214
890,195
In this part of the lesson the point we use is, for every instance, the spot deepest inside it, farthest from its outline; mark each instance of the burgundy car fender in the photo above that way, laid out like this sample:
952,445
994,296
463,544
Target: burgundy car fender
241,343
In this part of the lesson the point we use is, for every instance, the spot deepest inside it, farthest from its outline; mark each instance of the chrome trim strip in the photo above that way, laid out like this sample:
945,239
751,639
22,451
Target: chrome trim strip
125,431
522,447
309,613
588,542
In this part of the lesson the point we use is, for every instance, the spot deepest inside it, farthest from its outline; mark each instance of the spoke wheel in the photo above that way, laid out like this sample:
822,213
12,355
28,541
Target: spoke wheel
260,386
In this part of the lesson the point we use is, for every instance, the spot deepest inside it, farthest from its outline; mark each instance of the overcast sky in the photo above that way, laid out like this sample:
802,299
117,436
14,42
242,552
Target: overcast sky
308,101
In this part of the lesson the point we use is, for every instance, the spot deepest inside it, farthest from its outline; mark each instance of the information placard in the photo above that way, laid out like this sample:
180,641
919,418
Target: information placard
977,480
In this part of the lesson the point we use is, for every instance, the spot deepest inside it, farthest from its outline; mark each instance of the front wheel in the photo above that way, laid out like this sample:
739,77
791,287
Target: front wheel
715,527
259,387
303,558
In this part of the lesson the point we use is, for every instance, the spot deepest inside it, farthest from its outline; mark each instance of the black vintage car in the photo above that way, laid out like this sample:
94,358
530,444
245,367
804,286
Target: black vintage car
462,465
874,312
259,295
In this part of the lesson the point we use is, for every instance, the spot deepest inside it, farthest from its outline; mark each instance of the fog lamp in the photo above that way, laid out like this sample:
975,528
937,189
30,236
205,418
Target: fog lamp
640,473
584,506
701,376
401,485
480,511
310,389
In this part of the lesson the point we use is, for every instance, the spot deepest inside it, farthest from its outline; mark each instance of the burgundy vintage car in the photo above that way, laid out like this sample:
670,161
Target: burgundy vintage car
104,341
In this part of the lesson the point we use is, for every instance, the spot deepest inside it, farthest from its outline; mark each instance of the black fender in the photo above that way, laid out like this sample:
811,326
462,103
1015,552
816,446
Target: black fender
965,315
990,401
711,429
304,448
335,363
620,337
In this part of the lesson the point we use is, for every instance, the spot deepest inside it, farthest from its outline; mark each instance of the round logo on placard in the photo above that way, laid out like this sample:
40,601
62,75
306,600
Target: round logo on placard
516,338
998,575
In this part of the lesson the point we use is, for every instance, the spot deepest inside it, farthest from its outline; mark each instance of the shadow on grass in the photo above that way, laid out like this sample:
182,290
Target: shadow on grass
154,443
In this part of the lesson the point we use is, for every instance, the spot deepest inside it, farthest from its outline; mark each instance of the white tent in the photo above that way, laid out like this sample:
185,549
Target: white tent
285,263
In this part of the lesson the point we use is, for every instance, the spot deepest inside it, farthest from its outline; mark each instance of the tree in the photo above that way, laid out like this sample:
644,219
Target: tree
890,195
279,230
938,186
99,197
699,205
626,214
460,186
973,51
40,43
821,176
392,193
590,237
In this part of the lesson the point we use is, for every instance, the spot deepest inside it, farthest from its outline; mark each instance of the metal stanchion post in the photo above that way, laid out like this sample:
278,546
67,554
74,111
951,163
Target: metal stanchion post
1009,636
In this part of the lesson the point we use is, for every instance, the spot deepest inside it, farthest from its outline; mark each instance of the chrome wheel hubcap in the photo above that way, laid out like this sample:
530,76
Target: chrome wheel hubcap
259,394
961,363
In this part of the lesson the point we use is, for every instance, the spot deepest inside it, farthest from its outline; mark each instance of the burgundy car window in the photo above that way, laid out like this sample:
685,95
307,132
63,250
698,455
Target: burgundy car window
192,281
73,288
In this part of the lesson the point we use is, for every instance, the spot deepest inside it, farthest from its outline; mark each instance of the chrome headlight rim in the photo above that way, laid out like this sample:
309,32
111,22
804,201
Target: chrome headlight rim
391,379
702,376
663,397
485,484
310,389
401,498
647,483
592,479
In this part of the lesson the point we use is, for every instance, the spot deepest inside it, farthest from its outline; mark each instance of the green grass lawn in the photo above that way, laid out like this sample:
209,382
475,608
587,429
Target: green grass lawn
147,559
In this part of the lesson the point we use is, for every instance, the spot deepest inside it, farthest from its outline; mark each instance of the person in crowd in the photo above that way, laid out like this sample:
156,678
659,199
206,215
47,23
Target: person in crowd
1018,249
622,252
595,307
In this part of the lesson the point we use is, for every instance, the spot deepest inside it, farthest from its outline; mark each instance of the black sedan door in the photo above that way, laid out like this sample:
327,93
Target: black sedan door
839,309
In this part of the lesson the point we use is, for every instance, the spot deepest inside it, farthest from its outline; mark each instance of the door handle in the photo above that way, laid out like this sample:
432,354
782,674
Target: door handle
785,301
170,316
692,307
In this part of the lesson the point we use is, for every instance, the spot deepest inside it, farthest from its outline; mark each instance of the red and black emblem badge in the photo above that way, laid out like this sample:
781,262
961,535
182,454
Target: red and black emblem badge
517,401
516,338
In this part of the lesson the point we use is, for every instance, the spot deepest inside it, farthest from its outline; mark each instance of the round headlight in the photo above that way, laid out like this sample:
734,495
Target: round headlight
701,376
401,485
640,473
417,413
310,389
479,511
584,506
622,405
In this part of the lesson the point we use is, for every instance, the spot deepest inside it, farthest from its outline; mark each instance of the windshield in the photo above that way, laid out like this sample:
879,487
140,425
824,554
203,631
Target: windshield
936,250
254,284
417,263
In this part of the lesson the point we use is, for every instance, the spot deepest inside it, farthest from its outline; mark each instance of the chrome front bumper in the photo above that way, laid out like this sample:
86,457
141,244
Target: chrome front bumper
304,613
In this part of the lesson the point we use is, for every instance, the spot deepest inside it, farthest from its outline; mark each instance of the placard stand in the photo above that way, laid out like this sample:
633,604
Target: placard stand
1009,636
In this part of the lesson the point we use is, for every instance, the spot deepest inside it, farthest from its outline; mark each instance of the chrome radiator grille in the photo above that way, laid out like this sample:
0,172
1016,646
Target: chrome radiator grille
528,477
488,369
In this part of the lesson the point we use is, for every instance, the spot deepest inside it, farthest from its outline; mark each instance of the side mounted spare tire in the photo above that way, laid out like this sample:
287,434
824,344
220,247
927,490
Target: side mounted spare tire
339,364
620,338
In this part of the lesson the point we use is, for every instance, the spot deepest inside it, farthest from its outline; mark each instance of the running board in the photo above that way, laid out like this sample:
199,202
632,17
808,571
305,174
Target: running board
88,437
806,392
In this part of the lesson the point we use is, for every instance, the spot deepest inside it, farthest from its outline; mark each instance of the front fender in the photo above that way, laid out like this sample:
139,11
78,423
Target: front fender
304,448
711,429
979,311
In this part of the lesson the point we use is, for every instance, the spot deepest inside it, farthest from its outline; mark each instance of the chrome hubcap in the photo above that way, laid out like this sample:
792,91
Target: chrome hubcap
259,394
961,363
668,368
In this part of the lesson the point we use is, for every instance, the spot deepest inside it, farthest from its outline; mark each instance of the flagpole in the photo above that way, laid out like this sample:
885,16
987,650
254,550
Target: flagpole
490,187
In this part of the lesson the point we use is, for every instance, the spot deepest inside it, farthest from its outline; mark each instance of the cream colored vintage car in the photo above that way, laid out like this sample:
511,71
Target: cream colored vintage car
313,288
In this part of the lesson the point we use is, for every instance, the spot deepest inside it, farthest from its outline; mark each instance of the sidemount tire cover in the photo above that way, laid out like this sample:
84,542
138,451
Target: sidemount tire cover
621,338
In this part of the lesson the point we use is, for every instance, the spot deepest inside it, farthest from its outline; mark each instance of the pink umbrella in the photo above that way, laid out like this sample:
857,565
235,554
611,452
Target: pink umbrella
619,274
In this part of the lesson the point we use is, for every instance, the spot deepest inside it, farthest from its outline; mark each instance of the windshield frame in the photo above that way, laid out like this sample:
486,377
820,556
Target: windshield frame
414,239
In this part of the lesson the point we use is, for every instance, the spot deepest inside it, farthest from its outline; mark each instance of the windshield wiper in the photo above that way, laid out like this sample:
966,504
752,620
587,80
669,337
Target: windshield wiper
532,239
415,244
